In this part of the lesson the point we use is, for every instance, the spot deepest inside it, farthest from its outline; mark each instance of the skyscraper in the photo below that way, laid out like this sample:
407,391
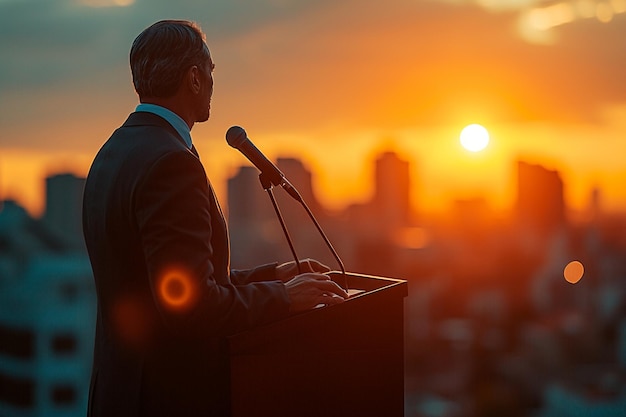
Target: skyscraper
540,202
251,222
64,199
392,194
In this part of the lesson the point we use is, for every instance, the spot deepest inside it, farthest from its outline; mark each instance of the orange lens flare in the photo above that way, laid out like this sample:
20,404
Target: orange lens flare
176,289
573,272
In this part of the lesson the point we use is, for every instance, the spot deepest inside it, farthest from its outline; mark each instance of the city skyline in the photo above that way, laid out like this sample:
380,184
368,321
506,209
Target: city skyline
417,200
522,318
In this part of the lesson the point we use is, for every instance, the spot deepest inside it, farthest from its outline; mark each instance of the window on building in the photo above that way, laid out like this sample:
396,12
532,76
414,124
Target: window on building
63,395
64,344
19,392
19,343
69,292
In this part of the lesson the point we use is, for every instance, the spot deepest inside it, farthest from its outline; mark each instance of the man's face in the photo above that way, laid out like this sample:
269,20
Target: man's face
206,90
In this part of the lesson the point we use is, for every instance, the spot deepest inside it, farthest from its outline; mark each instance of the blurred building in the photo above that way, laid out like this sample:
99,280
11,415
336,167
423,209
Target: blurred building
255,231
62,216
251,220
391,203
302,179
540,202
561,399
46,338
47,307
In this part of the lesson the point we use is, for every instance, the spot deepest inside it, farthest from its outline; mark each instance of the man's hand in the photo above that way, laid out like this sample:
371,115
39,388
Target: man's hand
308,290
288,270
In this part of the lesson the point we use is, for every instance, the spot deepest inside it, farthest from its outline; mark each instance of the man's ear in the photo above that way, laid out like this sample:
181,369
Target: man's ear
194,79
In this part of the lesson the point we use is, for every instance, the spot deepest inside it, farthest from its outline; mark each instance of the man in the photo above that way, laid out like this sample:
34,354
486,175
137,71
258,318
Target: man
159,250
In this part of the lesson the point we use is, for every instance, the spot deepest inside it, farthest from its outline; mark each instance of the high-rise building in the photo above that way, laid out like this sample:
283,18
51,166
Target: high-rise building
302,180
540,201
255,231
392,193
247,202
64,200
47,317
252,225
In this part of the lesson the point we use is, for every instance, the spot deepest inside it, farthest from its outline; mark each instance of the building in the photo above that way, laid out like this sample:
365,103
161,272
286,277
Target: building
540,203
253,229
391,203
62,216
46,338
47,307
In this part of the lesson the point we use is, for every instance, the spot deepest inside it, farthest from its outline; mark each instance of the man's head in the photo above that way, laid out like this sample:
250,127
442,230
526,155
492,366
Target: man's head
169,56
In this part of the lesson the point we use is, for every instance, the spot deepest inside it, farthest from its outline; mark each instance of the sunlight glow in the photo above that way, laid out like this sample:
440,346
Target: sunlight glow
573,272
474,138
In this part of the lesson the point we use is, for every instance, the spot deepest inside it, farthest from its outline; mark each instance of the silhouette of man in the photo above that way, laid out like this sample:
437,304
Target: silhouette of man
159,250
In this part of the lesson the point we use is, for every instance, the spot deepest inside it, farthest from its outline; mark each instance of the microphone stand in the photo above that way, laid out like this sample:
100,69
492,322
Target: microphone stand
266,183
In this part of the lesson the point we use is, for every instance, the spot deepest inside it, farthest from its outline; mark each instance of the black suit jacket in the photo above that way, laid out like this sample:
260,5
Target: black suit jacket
159,250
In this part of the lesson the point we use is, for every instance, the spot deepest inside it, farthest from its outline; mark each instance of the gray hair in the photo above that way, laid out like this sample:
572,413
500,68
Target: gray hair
161,55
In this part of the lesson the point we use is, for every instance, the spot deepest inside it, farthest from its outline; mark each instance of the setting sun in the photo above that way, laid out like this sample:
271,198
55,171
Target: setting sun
474,138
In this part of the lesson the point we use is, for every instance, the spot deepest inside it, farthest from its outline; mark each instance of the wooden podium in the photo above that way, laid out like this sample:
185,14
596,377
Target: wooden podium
342,360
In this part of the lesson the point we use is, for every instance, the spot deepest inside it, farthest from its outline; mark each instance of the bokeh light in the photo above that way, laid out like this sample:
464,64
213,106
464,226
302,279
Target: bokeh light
573,272
412,237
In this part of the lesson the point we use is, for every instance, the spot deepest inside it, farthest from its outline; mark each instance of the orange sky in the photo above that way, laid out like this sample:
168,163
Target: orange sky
334,83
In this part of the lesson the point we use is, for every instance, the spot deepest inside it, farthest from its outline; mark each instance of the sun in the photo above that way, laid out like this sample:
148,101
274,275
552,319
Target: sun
474,138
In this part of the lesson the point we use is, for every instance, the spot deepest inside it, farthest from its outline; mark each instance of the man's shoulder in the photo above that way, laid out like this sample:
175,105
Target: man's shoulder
147,135
139,124
134,147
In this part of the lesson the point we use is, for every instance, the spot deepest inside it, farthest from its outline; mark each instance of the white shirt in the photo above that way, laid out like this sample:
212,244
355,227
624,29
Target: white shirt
172,118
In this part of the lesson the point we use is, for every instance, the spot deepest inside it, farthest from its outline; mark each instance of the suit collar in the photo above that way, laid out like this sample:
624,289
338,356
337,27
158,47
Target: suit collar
151,119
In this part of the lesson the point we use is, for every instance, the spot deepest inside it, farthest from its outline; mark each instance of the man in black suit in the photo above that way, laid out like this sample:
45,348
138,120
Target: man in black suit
158,245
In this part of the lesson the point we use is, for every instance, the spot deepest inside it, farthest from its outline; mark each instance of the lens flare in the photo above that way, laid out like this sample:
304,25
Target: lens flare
412,238
573,272
176,289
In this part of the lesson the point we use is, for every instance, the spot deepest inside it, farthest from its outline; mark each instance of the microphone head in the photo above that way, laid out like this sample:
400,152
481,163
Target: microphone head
236,136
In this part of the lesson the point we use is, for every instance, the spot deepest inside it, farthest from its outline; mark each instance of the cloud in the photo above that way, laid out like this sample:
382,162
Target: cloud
427,62
537,19
54,41
313,63
51,41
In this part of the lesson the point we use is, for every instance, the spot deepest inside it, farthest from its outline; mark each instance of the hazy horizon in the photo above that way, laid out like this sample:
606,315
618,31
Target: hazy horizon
333,83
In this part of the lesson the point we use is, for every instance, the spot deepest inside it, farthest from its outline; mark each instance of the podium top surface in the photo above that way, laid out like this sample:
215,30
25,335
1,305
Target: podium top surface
380,300
367,284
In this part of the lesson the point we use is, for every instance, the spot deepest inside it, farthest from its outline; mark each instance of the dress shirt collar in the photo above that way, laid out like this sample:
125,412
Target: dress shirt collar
172,118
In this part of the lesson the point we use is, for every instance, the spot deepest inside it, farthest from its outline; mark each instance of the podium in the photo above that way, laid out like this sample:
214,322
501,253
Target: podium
341,360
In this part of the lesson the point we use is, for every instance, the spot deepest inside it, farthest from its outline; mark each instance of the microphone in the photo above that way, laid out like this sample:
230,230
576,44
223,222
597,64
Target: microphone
237,137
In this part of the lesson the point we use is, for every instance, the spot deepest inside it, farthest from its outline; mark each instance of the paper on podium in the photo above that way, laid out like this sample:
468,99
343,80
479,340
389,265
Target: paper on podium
351,293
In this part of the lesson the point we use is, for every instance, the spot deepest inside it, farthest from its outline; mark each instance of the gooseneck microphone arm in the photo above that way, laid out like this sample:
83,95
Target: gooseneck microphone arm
267,186
270,175
328,244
